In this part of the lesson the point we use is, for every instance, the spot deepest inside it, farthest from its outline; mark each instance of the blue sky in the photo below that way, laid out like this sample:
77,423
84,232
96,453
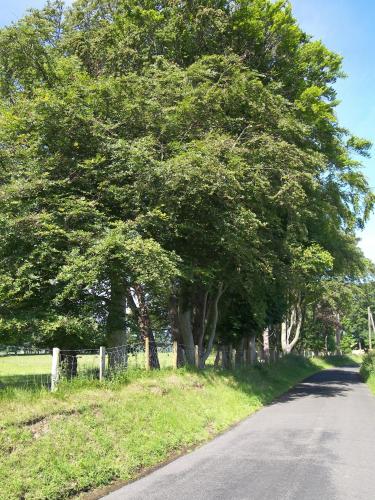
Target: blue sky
345,26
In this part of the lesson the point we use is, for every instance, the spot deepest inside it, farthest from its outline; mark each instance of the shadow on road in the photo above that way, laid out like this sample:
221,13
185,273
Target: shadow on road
326,384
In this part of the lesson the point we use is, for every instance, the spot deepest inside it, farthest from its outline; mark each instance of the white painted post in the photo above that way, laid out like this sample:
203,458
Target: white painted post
55,368
197,357
147,353
101,363
175,354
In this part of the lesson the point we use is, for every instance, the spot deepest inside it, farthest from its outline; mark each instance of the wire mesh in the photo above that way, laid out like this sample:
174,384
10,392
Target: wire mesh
31,371
20,368
82,363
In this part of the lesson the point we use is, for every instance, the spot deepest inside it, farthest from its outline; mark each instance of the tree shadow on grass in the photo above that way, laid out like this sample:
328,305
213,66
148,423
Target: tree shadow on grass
267,382
11,385
29,380
262,383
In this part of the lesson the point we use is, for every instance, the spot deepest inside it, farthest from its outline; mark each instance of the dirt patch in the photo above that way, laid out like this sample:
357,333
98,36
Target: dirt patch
159,391
174,380
39,428
197,385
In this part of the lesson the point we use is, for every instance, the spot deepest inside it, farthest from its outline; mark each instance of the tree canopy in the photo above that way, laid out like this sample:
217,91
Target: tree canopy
182,160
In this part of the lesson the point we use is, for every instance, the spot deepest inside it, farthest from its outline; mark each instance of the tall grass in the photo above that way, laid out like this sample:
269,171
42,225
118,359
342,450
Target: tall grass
367,370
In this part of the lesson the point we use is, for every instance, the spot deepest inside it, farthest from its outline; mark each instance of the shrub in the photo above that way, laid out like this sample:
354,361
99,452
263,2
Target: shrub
368,365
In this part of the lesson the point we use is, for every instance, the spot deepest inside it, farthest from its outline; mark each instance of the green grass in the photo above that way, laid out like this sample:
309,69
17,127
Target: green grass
24,370
371,382
368,370
89,434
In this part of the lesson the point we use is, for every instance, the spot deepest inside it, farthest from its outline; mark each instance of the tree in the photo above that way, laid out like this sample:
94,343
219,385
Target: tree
182,160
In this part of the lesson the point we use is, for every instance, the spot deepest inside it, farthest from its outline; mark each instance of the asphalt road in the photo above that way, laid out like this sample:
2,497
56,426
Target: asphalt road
317,442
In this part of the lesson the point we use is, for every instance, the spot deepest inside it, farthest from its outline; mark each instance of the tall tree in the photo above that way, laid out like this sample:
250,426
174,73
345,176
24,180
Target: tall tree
170,156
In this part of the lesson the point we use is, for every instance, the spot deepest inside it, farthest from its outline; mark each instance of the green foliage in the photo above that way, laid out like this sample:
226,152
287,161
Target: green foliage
175,149
368,365
348,342
355,320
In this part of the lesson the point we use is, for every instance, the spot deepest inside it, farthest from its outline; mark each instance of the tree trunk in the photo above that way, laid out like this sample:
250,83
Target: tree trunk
144,324
291,329
197,315
226,360
200,302
218,357
338,332
238,360
253,350
266,344
116,326
200,321
173,320
212,319
186,331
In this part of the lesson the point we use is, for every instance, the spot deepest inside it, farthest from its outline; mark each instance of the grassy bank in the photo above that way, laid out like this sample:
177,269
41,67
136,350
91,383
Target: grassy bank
371,382
368,370
54,446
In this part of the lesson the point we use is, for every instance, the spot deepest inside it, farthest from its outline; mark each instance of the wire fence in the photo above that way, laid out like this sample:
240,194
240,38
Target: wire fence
8,350
46,368
25,370
22,367
106,362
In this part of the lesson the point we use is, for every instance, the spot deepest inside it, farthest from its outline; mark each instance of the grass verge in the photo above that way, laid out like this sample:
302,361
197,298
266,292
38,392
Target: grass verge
371,382
367,370
56,446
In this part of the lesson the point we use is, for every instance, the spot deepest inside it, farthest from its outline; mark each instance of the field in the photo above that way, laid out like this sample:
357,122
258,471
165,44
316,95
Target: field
25,370
34,371
89,434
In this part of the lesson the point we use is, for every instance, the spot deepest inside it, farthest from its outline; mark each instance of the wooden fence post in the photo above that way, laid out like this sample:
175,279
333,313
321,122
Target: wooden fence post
196,356
147,353
101,363
55,368
175,354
